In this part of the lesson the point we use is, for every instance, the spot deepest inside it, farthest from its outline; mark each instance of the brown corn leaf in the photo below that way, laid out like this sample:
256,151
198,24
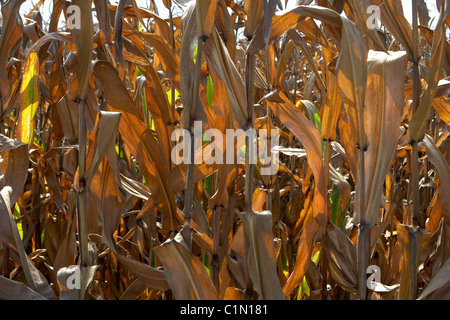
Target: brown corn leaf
224,70
67,112
104,18
309,136
134,290
185,274
58,6
234,294
303,45
419,118
288,49
412,240
57,85
287,20
439,281
255,16
66,253
206,11
12,28
14,165
304,251
341,253
443,170
349,144
351,74
442,106
9,235
130,12
260,254
392,17
83,39
331,109
169,58
187,73
359,8
139,139
105,194
382,117
118,25
351,66
14,290
442,252
103,137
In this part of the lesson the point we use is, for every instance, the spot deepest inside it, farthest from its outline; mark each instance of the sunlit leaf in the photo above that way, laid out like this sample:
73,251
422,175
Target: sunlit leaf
30,98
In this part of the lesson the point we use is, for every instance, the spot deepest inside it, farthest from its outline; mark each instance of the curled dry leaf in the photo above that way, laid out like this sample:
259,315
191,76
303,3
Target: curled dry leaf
186,275
341,252
260,253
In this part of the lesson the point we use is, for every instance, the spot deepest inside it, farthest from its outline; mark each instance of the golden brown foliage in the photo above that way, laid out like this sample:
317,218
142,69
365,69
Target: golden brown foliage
87,180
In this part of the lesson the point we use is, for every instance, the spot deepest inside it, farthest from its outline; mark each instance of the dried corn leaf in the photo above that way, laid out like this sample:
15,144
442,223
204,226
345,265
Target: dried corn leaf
105,194
413,241
187,72
83,39
224,70
443,170
439,281
419,118
185,274
13,165
309,136
382,117
260,254
331,109
12,28
341,253
9,235
14,290
206,12
140,140
392,17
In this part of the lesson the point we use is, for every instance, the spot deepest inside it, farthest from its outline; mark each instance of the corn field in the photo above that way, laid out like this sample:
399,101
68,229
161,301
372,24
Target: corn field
94,95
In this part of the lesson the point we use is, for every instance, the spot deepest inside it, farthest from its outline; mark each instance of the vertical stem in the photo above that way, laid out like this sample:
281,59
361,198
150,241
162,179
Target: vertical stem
171,126
249,77
1,110
172,43
326,162
190,174
294,101
413,256
216,242
363,235
81,196
415,104
415,180
268,113
172,38
362,260
5,260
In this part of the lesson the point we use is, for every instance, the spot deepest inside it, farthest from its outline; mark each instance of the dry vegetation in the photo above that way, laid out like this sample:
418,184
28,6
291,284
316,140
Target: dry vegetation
85,151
